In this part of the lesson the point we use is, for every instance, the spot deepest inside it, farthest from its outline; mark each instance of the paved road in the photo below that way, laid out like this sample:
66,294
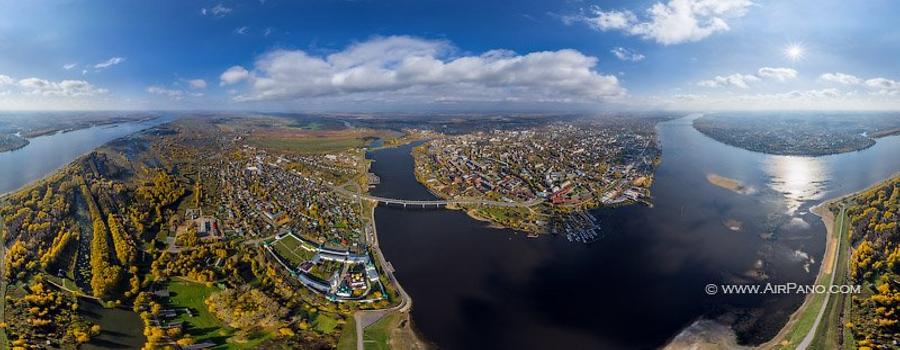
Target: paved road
807,340
364,318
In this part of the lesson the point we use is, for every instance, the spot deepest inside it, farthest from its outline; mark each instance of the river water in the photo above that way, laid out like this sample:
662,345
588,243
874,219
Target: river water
480,287
47,153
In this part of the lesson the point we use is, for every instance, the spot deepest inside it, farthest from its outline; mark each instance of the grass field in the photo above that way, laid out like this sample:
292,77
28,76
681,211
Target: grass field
203,326
324,323
311,145
347,341
828,335
289,249
377,336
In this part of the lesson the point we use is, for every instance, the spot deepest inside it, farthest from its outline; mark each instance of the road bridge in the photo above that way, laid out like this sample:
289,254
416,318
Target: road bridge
435,203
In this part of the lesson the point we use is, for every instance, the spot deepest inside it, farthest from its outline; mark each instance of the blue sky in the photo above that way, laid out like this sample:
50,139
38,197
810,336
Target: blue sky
358,56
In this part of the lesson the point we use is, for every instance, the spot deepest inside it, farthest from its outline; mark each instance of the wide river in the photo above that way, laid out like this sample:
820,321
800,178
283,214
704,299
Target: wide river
643,284
47,153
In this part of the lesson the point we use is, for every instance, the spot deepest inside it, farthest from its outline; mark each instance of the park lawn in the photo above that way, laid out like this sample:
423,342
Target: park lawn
203,326
310,145
347,341
289,248
324,323
377,336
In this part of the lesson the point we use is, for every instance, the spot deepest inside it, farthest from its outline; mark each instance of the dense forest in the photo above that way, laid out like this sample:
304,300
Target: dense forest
875,264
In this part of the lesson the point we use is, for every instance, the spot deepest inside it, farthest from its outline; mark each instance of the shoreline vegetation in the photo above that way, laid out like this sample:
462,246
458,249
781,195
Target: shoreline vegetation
800,326
9,143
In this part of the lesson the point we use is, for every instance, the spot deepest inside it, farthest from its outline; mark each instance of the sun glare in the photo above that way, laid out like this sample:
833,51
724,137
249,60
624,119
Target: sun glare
795,51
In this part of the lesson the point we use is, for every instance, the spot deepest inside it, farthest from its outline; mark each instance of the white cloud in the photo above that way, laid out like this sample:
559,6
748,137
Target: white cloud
743,80
218,10
734,80
626,54
172,93
780,74
234,75
196,83
6,80
66,88
420,69
241,30
675,22
69,66
110,62
607,20
841,78
884,86
267,32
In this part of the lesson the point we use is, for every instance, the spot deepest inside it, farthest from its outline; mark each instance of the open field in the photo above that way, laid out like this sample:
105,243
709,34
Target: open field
203,326
377,335
314,141
310,145
347,341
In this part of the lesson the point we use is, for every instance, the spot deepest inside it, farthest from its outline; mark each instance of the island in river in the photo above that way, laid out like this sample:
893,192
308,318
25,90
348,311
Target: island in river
730,184
800,134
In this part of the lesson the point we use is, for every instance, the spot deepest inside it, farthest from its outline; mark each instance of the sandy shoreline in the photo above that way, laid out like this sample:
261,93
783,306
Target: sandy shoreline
831,244
827,266
730,184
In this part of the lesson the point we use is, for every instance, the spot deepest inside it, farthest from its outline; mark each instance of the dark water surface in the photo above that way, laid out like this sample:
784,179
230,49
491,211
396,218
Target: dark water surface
120,328
479,287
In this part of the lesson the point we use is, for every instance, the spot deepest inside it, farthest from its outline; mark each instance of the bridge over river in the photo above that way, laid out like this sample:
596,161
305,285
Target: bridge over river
435,203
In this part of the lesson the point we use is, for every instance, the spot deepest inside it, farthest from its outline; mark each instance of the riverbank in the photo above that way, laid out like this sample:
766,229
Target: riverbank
803,319
13,145
365,318
803,324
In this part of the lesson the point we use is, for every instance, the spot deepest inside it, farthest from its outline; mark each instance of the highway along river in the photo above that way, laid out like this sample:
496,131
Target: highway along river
643,284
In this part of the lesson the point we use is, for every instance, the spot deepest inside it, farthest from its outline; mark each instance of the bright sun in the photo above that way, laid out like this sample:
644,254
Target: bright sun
794,52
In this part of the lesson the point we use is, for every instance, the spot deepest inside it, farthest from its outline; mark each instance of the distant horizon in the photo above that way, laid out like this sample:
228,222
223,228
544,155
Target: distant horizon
451,112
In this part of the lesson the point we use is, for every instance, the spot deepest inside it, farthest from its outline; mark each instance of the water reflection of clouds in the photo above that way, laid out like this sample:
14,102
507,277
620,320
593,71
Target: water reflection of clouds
798,179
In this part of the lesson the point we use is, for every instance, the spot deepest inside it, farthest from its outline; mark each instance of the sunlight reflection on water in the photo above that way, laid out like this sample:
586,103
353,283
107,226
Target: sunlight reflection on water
798,179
